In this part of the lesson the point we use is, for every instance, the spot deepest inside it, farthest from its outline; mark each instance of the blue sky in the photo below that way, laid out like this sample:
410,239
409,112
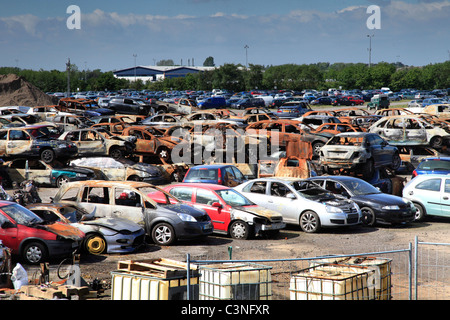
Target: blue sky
34,34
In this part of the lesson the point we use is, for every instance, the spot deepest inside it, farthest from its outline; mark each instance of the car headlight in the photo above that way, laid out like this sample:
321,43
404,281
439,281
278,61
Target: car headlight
390,208
332,209
62,145
186,217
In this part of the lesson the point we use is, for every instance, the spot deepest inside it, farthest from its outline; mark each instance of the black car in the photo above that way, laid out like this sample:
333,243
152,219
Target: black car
130,106
375,205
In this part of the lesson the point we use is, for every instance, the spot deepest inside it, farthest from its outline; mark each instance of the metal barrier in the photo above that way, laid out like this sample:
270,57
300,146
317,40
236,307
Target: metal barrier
278,285
431,270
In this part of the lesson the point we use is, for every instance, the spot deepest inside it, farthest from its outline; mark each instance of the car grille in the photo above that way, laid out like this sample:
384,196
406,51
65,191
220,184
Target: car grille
202,218
352,218
139,240
277,219
350,210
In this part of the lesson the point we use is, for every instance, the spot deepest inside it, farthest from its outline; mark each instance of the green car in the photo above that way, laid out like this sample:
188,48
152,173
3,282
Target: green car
19,170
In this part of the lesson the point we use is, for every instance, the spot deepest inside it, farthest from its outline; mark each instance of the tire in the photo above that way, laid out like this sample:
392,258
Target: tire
436,142
133,178
316,148
310,222
61,181
94,244
34,253
396,161
115,153
420,213
48,155
368,217
164,153
239,230
163,234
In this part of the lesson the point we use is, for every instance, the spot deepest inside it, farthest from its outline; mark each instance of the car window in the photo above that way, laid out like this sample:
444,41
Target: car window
447,186
430,185
206,197
182,193
95,195
71,194
278,189
124,197
238,174
434,165
256,187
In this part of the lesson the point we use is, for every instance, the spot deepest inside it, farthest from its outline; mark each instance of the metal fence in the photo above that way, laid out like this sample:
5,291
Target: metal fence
287,279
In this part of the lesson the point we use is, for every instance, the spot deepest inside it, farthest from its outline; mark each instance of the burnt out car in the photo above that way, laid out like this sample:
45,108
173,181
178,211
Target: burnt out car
165,222
102,235
362,151
35,142
91,142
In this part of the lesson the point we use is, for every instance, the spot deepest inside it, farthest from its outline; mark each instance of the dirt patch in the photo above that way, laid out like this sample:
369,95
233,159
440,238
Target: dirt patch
16,91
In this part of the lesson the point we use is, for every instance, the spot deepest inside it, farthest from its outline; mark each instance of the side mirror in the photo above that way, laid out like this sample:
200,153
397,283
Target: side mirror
8,224
217,205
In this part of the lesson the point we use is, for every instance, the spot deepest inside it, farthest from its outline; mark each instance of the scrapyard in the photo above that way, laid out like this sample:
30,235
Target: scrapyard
169,177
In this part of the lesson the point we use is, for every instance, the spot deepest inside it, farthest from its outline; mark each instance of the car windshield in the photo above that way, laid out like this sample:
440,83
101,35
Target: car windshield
346,140
434,165
234,198
166,199
38,132
360,187
312,191
21,215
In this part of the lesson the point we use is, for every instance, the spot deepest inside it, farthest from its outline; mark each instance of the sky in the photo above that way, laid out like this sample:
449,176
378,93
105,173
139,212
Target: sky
116,34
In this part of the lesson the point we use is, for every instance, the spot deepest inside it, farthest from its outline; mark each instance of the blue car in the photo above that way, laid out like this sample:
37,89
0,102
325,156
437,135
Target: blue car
430,194
292,109
433,165
227,175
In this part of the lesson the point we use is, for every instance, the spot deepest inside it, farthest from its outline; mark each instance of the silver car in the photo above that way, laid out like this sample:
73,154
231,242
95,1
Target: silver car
302,202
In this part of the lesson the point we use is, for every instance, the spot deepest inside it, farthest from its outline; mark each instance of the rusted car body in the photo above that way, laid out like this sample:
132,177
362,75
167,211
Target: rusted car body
46,113
92,142
209,118
412,130
71,122
114,128
439,110
148,144
163,120
165,223
335,128
81,106
34,141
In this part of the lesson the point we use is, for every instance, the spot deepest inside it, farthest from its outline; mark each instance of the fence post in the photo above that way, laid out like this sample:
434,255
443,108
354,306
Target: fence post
188,261
416,254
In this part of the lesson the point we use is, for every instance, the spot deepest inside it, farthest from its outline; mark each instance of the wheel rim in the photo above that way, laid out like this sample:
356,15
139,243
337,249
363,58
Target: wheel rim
238,230
163,234
396,162
96,245
368,217
47,155
34,254
62,180
308,222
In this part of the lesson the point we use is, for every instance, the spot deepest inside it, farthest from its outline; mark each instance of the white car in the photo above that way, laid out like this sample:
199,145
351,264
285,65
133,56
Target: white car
302,202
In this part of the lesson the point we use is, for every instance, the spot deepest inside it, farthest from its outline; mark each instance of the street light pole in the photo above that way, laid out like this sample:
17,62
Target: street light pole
370,49
134,55
246,55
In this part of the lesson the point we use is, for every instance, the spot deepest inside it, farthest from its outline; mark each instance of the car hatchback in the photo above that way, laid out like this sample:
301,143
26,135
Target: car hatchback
433,165
227,175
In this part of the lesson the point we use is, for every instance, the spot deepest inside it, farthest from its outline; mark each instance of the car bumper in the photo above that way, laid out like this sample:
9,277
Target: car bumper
121,243
339,220
58,248
395,216
192,230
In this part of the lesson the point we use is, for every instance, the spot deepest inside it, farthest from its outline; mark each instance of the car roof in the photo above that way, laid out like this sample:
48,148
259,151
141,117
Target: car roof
107,183
211,166
211,186
436,158
341,178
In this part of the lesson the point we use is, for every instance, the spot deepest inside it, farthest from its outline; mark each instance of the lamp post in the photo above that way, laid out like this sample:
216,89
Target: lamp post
134,55
370,49
246,55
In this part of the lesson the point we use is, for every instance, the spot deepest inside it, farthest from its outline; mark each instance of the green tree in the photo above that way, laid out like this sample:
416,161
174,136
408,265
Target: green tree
209,62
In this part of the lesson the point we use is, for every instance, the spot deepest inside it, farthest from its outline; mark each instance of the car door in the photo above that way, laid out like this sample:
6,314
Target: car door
415,131
429,192
445,198
282,199
127,204
19,142
220,216
95,198
91,143
9,232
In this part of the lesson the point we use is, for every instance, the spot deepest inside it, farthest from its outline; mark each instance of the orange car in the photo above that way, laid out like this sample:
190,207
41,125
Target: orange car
335,128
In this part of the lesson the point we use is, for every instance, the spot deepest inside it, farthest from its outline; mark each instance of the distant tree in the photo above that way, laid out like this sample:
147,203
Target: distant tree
209,62
167,62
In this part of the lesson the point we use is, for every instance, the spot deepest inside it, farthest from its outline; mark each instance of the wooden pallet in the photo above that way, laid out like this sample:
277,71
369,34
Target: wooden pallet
160,268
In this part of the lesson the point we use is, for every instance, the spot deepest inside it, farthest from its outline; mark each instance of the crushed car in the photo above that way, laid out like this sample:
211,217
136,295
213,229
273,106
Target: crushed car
102,235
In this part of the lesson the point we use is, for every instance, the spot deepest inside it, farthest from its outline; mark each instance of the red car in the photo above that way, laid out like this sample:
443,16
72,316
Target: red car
231,213
29,236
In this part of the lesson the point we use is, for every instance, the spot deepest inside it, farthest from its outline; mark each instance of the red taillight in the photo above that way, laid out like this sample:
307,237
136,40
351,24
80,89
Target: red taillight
414,174
220,176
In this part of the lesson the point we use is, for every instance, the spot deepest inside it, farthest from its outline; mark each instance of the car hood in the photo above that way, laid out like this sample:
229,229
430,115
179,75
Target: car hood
148,169
64,230
114,224
257,211
380,198
181,208
75,169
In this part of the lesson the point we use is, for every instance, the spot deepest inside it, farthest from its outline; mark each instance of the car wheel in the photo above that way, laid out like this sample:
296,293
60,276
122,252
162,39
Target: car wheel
310,222
164,153
396,161
94,244
48,155
115,153
316,148
420,212
239,230
368,217
34,253
61,181
436,142
163,234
